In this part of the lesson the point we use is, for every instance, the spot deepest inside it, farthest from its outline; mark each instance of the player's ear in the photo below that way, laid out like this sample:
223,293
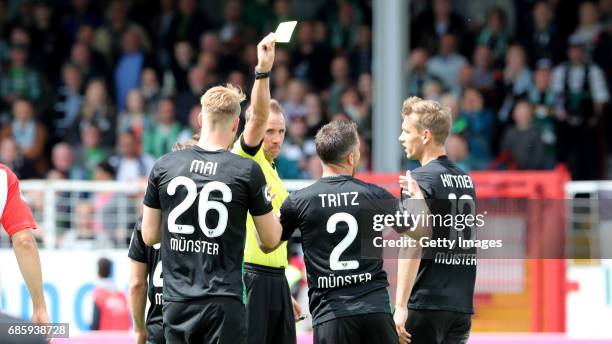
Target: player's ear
200,119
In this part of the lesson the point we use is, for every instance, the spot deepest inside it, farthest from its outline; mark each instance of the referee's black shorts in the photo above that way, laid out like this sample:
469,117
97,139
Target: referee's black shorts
373,328
213,320
269,310
438,327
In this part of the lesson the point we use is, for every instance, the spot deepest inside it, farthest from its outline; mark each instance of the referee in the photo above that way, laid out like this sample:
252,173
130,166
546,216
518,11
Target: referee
271,311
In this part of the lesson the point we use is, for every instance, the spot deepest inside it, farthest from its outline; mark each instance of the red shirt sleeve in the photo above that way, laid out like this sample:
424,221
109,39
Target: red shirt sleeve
16,215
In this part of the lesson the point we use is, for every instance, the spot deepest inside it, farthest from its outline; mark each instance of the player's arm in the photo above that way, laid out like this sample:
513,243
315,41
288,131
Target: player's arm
268,231
255,127
138,298
28,260
18,223
151,225
137,253
151,210
407,268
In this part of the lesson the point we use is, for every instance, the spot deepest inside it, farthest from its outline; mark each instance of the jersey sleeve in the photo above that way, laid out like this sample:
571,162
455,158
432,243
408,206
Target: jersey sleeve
151,198
260,201
16,215
288,218
244,150
137,250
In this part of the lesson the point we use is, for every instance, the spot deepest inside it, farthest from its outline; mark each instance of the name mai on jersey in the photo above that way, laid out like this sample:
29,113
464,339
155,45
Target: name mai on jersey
203,167
343,199
457,181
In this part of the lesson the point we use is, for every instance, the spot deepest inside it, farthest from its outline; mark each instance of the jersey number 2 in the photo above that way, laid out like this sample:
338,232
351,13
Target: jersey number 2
334,258
204,205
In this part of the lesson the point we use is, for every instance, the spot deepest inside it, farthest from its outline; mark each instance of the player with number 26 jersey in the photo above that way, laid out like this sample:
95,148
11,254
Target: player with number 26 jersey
207,194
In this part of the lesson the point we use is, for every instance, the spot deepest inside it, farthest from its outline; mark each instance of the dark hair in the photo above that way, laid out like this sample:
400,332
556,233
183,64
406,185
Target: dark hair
335,140
105,266
107,168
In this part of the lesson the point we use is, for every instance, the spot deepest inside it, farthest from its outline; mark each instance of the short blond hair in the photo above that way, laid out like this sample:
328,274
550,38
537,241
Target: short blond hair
222,103
430,115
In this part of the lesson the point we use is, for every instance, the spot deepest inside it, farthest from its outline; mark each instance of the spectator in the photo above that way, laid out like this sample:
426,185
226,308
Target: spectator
109,39
150,90
29,134
232,27
13,159
81,57
114,210
134,119
581,93
19,80
188,24
296,150
523,141
63,162
478,128
516,80
543,99
361,54
128,162
343,30
447,63
91,153
96,109
47,44
82,235
186,100
315,118
589,29
495,34
110,310
209,62
314,169
310,60
194,125
164,132
340,74
418,74
129,67
180,65
483,74
542,39
294,106
429,27
457,152
86,37
161,32
67,103
82,14
280,82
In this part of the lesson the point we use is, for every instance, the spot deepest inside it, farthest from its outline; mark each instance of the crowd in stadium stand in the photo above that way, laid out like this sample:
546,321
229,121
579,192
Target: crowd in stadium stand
91,88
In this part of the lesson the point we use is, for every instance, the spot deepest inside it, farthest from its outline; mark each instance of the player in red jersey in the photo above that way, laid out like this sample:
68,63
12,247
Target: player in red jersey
17,221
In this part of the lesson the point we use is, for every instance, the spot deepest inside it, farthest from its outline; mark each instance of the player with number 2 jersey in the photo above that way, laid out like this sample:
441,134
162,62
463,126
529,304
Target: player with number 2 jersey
348,294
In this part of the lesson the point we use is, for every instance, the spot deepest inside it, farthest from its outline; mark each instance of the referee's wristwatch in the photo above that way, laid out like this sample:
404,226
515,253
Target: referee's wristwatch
261,75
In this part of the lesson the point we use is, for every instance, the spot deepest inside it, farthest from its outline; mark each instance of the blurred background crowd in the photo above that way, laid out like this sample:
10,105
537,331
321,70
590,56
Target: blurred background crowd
97,90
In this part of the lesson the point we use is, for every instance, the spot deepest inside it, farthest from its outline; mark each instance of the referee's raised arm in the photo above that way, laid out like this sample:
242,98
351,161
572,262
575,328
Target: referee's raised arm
255,127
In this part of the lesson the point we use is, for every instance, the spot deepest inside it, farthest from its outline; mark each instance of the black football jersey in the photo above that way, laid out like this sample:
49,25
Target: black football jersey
335,218
446,276
151,256
204,197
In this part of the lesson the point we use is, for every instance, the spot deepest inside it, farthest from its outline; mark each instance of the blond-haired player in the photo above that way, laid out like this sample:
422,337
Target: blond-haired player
196,204
436,287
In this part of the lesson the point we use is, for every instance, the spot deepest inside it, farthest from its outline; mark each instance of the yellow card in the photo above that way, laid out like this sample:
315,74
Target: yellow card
284,31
